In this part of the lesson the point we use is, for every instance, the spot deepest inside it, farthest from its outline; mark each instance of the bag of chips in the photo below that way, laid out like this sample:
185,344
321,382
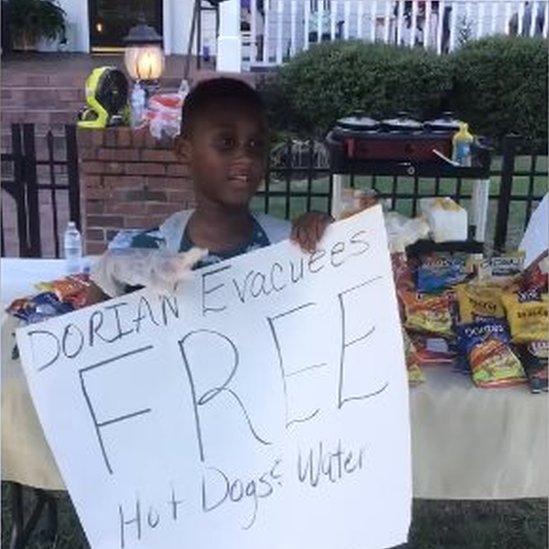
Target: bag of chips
528,315
534,358
38,308
402,273
433,350
478,302
536,276
65,287
432,314
437,273
507,267
491,360
415,375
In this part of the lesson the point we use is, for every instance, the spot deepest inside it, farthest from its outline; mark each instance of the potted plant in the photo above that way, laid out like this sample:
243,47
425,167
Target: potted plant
32,20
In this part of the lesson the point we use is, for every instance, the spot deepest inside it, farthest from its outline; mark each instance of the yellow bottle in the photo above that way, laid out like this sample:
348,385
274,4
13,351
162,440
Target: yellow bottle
461,143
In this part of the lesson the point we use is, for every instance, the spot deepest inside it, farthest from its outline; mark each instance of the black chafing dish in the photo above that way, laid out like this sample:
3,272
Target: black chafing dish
401,145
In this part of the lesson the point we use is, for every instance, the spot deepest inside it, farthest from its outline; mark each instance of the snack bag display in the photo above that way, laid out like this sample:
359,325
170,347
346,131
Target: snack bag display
528,315
428,313
478,302
438,273
491,360
534,358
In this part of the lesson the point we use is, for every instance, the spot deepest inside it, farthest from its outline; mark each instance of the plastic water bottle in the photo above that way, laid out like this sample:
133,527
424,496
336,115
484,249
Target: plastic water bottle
73,248
206,50
138,102
184,88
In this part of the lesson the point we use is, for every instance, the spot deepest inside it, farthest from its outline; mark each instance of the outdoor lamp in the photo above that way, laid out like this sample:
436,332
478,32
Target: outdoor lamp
144,57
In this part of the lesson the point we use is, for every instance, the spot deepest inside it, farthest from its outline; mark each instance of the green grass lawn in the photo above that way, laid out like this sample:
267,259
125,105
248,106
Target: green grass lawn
520,524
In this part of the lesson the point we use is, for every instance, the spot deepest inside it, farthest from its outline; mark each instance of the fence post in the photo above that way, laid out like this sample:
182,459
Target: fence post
19,189
510,143
73,179
29,163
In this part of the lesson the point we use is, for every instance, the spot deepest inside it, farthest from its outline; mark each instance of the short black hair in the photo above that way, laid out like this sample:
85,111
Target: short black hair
217,90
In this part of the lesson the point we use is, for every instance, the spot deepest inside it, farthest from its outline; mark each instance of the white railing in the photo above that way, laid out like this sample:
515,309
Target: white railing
279,29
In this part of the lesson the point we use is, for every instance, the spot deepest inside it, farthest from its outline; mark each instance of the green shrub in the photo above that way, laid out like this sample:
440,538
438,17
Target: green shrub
500,85
332,79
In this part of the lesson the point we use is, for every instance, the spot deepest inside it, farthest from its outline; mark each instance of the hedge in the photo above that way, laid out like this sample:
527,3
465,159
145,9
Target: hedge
498,84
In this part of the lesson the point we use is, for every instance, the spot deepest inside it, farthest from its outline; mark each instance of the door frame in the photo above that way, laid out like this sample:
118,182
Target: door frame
117,45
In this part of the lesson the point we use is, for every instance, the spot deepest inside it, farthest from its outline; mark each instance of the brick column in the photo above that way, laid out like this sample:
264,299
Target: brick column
128,180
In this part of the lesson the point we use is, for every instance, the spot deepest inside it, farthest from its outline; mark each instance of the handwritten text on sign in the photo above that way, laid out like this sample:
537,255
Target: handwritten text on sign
264,406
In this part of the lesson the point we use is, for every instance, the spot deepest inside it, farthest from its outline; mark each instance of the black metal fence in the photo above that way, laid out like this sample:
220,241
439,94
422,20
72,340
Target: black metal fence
301,181
40,190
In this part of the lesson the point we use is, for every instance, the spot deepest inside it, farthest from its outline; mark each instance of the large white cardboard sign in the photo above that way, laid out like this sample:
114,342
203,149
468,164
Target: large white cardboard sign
263,406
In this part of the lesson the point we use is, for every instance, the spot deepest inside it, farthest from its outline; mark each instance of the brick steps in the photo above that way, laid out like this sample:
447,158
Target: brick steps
48,98
20,115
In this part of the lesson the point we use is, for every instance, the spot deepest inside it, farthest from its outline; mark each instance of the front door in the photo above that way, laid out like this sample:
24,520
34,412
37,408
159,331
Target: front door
110,21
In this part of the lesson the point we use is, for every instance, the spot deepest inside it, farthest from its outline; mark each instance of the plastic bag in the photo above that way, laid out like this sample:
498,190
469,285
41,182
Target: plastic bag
158,269
403,231
447,220
164,114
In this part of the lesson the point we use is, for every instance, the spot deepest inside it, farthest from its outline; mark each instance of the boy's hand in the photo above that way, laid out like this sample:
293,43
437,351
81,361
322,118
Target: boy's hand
308,229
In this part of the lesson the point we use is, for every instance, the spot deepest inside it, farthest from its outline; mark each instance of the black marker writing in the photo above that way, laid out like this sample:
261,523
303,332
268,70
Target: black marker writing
218,489
135,520
98,425
286,373
341,398
319,462
221,389
40,345
144,311
208,290
174,503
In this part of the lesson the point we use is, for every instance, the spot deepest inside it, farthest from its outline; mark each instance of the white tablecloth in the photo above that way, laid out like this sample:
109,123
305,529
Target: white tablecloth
467,443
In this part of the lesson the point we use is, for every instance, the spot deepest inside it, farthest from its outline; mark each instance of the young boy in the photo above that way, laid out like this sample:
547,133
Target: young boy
224,142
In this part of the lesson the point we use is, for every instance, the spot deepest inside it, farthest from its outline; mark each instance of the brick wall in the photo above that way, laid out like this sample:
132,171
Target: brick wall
128,180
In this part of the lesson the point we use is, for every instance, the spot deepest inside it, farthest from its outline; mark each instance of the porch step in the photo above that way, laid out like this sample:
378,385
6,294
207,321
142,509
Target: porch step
55,80
59,98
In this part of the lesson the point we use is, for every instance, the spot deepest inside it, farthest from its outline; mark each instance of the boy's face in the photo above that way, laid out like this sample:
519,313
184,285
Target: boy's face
226,151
